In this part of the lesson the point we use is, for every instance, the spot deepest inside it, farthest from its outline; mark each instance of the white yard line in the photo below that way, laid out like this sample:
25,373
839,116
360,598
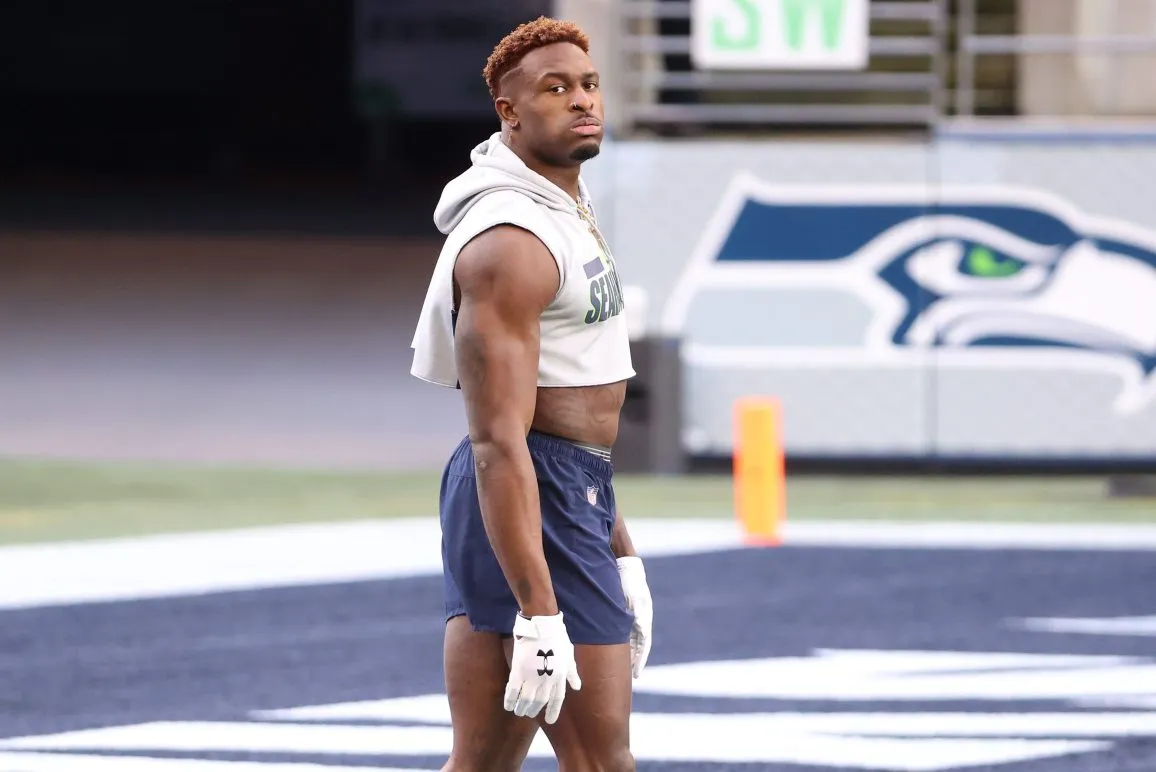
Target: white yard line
973,535
52,762
296,555
813,740
1141,626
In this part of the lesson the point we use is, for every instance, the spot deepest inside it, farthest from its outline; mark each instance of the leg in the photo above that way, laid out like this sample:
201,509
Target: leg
592,733
487,738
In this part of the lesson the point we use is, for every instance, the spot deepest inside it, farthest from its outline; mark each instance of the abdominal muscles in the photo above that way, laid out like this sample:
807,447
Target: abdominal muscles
581,413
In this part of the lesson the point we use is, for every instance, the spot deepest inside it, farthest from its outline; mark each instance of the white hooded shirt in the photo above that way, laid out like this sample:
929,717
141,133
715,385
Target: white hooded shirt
583,334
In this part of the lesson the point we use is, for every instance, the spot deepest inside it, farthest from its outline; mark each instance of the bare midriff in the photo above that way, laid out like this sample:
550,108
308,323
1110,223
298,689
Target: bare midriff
585,414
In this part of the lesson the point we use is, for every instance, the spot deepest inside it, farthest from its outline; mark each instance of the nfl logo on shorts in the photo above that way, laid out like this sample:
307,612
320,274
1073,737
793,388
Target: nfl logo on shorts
592,495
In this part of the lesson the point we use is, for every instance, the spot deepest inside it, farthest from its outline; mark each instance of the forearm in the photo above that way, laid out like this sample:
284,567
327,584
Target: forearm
511,513
620,542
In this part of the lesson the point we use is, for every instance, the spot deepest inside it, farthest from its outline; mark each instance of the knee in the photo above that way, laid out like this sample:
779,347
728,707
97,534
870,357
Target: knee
488,763
622,761
611,760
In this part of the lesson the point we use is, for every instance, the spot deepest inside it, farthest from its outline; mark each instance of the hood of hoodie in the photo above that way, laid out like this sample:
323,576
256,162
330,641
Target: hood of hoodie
495,167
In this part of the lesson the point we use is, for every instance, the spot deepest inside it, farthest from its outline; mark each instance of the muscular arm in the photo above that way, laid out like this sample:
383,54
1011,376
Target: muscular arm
505,278
620,542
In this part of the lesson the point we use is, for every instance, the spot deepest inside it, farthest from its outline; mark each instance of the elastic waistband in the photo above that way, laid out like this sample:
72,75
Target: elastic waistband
462,464
549,445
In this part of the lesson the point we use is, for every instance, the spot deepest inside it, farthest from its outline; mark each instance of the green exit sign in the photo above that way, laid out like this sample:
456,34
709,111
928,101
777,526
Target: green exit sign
779,34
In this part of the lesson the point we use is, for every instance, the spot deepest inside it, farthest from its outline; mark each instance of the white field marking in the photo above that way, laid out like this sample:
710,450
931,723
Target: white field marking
65,573
734,738
845,676
425,708
1130,703
210,736
1144,626
168,565
56,762
961,535
434,709
914,741
894,676
192,563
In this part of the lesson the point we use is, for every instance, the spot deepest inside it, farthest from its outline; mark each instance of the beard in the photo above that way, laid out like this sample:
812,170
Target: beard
585,151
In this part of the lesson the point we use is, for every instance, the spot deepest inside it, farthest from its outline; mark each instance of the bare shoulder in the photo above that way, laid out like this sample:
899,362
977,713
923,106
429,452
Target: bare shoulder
507,264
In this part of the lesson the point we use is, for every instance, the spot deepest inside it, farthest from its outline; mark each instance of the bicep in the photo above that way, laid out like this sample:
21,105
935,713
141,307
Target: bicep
496,360
505,278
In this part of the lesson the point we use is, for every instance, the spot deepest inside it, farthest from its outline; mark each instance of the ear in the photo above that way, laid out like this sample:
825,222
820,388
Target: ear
507,112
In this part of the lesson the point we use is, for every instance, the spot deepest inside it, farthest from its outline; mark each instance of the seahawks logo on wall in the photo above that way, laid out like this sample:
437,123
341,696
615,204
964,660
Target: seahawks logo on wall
988,277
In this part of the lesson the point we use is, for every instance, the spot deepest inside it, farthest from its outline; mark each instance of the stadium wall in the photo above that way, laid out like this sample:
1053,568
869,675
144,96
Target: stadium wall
268,349
980,299
973,298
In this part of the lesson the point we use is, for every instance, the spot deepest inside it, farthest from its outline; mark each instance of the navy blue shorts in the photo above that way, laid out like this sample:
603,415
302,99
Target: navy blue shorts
578,514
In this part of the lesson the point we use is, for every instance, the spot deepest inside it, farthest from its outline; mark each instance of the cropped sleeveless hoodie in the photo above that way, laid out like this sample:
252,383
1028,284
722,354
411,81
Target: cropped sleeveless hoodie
583,339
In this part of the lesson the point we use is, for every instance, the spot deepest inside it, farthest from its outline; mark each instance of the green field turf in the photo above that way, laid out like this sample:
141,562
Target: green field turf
49,500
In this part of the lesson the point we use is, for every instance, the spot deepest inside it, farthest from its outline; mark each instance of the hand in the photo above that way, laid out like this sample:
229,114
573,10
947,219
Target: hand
542,665
638,600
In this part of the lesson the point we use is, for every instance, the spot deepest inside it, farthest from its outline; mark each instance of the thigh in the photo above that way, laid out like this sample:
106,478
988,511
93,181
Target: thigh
576,530
487,737
474,581
592,733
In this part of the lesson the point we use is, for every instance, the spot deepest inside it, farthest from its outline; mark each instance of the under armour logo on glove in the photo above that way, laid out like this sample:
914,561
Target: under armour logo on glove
541,667
545,669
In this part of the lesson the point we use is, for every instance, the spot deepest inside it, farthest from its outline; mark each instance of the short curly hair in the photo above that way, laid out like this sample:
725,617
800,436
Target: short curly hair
543,31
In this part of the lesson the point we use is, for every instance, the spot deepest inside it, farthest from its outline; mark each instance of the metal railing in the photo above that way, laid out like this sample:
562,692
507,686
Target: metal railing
970,45
902,85
924,68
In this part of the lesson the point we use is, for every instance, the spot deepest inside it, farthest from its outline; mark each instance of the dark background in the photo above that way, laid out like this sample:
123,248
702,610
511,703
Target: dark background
243,104
206,252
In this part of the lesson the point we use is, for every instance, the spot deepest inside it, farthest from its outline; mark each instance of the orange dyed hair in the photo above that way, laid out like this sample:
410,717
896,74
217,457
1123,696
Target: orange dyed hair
524,39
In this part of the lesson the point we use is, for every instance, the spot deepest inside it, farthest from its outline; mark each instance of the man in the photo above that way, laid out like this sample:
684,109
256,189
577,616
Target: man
524,315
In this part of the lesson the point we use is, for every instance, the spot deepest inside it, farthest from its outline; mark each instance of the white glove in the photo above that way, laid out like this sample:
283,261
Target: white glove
542,665
638,600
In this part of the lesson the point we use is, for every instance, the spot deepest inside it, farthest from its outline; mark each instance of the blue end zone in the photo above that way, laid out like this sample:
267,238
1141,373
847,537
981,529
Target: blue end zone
221,656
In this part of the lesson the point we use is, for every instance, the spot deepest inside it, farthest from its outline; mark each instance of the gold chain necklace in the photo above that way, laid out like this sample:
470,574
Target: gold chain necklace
586,216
